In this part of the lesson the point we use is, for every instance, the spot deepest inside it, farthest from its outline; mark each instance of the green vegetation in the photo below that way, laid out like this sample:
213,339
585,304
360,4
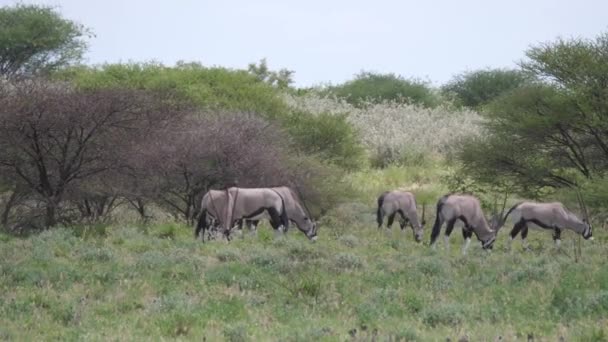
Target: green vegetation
127,282
377,88
37,40
477,88
549,135
211,88
105,155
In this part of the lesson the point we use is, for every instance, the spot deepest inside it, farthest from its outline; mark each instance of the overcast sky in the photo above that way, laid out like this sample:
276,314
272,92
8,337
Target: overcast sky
330,41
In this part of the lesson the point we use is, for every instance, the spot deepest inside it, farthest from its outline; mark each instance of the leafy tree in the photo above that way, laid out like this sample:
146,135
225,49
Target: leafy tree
36,39
377,88
477,88
281,79
553,134
53,137
210,88
325,135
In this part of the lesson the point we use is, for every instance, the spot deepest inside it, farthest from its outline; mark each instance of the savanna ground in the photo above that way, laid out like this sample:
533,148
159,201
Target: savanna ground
133,282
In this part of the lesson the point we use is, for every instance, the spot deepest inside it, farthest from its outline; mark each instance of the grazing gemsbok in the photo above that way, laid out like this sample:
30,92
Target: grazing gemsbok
466,208
297,212
213,212
552,216
391,203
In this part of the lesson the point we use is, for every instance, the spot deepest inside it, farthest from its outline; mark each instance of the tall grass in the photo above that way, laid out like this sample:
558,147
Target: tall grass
356,282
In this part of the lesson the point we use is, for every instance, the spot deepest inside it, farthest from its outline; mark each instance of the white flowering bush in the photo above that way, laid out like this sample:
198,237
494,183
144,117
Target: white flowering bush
392,132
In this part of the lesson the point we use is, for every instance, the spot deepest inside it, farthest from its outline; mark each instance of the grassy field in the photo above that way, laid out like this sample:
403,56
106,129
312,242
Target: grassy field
129,282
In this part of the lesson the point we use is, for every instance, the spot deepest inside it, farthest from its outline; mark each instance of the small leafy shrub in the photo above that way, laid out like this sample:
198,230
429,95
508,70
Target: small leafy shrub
95,254
406,335
449,314
178,324
349,240
301,250
430,267
152,260
237,333
367,314
414,303
226,255
165,231
347,261
87,231
264,259
234,274
225,310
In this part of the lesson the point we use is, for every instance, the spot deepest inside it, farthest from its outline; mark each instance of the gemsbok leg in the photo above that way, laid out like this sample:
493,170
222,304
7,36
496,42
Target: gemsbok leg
275,220
436,229
516,229
524,236
404,220
391,219
467,233
557,233
448,231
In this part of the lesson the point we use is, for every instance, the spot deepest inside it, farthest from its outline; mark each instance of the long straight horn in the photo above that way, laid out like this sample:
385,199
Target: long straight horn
504,206
303,202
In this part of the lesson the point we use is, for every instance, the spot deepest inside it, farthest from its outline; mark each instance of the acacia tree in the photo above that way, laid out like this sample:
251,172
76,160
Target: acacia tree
375,88
53,137
213,151
553,134
480,87
36,39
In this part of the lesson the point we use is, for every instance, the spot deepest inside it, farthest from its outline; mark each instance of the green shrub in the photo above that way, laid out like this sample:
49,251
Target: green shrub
349,240
448,314
378,88
237,333
328,136
212,88
86,231
348,261
430,267
165,231
226,255
95,254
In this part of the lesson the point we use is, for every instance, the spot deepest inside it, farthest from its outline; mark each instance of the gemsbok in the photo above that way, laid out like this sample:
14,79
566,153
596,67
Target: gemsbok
296,210
552,216
233,204
213,209
391,203
466,208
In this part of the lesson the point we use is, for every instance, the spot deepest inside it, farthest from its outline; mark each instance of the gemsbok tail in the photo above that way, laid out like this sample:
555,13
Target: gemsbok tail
379,214
201,223
438,219
511,210
284,216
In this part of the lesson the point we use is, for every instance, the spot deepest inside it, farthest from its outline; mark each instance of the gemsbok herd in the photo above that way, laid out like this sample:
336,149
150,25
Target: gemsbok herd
224,210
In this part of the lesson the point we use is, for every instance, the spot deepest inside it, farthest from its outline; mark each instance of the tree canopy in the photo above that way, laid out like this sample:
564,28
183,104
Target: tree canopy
37,39
376,88
477,88
552,134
